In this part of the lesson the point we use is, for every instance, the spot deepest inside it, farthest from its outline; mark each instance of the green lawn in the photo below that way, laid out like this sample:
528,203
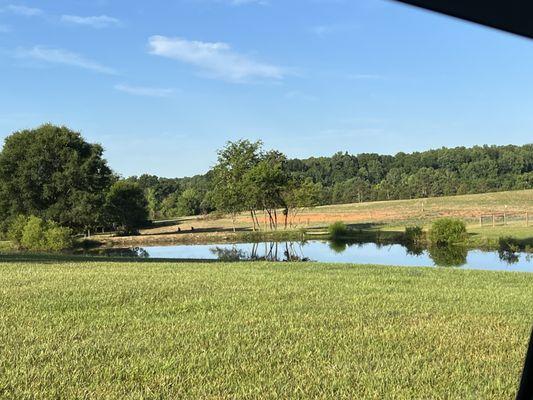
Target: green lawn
97,330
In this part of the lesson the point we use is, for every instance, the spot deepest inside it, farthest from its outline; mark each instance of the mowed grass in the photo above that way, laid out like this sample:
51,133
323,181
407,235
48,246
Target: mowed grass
260,331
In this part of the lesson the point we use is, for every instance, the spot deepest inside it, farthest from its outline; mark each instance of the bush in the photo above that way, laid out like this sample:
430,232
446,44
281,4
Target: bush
337,230
509,243
414,234
58,238
447,231
34,234
16,229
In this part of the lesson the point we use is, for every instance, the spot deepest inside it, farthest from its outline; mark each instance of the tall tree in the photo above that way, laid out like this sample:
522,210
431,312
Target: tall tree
234,161
126,206
53,173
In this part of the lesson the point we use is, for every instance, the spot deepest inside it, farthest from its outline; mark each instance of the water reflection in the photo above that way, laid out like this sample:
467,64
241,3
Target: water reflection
448,256
355,252
266,251
131,252
338,246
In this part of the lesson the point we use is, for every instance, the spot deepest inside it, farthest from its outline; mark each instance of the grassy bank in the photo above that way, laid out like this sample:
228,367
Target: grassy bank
387,218
182,330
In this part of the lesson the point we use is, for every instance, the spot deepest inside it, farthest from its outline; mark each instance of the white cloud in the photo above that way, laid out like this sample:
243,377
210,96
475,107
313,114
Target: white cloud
217,60
144,91
25,11
98,22
60,56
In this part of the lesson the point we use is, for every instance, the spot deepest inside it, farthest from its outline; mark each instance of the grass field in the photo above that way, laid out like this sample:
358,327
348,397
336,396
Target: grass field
257,331
372,216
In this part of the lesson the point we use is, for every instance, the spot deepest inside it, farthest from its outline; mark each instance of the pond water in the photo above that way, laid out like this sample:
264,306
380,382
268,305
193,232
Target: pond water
342,252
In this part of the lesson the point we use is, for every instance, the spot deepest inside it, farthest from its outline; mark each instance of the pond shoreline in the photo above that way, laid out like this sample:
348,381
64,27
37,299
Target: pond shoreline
362,236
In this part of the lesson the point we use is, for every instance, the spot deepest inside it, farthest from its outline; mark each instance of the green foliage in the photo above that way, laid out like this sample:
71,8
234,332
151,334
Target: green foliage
347,178
235,160
34,234
447,231
15,229
509,243
53,173
337,230
57,237
189,203
414,234
126,207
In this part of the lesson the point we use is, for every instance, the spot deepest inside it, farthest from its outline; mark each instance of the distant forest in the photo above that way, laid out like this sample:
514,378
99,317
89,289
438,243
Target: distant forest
346,178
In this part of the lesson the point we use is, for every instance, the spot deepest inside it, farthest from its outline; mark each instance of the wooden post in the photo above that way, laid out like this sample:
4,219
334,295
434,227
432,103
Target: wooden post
481,221
505,218
493,221
527,218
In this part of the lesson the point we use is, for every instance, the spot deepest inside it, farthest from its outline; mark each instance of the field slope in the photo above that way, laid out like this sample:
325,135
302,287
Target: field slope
225,331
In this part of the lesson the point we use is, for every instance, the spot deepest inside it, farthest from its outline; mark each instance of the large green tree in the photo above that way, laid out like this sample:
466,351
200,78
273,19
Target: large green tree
235,160
53,173
126,206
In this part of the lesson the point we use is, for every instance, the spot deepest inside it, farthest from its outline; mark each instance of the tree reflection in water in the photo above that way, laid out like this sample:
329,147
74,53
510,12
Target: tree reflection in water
266,251
448,256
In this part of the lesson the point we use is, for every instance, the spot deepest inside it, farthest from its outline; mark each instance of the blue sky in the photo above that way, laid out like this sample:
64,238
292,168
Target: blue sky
163,84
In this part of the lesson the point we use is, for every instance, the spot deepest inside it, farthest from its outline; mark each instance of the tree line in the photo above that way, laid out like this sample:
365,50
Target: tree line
53,174
347,178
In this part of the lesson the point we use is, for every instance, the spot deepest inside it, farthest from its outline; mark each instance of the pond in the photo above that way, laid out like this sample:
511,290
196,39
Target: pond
341,252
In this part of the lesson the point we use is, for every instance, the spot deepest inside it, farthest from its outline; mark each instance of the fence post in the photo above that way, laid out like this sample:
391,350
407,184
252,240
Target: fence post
504,218
493,221
527,218
481,221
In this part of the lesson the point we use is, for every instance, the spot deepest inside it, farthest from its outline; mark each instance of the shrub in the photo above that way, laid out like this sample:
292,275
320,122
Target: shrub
58,238
509,243
447,231
16,229
337,230
34,234
414,234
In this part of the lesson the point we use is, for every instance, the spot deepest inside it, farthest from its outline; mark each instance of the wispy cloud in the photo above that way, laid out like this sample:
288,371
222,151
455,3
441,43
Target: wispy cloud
65,57
98,22
5,29
144,91
217,60
24,11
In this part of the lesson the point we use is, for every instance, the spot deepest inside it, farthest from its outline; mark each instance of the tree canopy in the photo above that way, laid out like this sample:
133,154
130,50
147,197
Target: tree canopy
126,206
53,173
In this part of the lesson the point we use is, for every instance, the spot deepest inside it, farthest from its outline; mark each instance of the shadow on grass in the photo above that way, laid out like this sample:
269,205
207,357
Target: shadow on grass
191,229
73,258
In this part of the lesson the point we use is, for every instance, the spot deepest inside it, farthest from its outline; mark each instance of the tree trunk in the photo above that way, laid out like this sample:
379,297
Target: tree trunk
253,219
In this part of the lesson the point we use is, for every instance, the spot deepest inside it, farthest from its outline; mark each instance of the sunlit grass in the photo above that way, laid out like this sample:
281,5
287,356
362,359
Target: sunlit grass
225,331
